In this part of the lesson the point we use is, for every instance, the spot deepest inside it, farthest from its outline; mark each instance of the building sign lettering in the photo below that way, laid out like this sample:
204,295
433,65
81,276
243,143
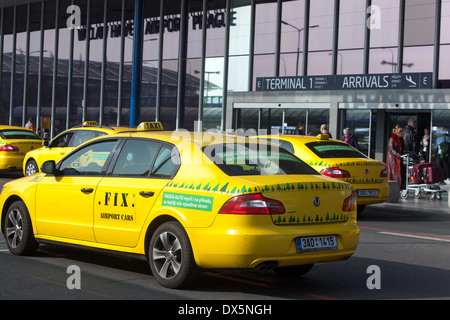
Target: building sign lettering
172,24
346,82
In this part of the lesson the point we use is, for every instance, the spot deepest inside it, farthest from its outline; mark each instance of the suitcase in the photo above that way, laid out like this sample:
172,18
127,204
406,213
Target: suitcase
433,174
417,171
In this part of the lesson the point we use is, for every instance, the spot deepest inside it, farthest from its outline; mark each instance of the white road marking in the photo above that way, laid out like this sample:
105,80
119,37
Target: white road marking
415,236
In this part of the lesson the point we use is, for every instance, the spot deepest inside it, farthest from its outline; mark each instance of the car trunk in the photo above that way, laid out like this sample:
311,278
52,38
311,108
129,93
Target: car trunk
308,199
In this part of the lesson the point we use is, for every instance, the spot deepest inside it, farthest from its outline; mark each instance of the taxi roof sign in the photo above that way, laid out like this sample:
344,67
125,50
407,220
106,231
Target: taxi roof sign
90,123
323,136
150,126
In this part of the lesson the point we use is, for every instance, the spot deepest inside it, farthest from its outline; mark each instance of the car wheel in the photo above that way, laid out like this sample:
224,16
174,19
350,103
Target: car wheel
293,271
19,231
31,168
170,256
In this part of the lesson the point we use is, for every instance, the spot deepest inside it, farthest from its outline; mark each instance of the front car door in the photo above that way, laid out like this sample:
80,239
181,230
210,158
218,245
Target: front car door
64,201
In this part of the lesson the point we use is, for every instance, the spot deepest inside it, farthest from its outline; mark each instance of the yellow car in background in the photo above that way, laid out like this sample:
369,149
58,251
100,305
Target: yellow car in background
186,201
339,160
64,143
15,142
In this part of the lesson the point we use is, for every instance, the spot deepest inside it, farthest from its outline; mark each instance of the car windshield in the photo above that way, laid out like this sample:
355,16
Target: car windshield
18,134
236,159
332,149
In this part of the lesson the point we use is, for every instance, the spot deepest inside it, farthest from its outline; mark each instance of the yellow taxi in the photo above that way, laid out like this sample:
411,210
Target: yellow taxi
15,142
64,143
337,159
187,201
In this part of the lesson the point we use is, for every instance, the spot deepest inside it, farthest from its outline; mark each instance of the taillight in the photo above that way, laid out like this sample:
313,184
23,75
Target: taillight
335,172
252,204
8,147
349,203
384,173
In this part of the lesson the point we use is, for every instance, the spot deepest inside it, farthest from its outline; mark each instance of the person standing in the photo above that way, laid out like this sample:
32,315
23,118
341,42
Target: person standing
30,124
301,128
395,167
443,156
350,138
410,137
425,145
324,130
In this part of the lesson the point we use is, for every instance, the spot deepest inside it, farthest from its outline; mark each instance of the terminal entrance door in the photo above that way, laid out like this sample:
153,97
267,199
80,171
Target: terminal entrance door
423,121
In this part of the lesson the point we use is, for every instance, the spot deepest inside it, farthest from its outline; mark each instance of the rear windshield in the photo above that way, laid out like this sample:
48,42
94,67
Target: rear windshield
18,134
237,159
334,149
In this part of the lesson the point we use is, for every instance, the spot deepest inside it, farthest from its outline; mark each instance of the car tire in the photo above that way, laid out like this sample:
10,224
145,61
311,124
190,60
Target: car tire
31,168
170,256
18,230
293,271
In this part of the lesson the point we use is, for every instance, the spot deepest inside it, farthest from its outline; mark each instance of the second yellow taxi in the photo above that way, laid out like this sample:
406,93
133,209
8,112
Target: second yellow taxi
187,201
65,142
337,159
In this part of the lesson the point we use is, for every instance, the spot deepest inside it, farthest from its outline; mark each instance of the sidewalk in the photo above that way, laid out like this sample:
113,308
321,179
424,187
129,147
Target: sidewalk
423,203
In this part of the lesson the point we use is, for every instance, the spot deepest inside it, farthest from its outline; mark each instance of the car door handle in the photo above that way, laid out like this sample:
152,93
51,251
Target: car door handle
87,190
146,194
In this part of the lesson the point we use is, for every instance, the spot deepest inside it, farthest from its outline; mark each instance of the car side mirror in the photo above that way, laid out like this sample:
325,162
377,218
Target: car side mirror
49,167
45,143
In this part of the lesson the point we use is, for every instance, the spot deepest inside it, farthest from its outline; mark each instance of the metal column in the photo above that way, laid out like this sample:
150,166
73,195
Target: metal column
135,102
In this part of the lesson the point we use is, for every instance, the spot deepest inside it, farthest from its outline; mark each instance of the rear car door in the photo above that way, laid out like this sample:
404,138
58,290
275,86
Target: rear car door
125,197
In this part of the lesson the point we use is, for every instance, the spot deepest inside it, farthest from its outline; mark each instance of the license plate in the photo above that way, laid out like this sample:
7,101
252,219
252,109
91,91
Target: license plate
319,243
367,193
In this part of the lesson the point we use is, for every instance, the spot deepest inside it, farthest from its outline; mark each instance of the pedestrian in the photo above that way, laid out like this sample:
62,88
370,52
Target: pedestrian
443,157
425,145
410,137
350,138
324,130
394,162
301,128
30,124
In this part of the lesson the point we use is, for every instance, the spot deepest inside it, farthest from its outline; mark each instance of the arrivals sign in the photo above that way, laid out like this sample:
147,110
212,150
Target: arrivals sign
347,82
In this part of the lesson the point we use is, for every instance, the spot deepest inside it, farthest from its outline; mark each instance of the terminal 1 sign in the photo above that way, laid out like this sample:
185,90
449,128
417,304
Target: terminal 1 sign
347,82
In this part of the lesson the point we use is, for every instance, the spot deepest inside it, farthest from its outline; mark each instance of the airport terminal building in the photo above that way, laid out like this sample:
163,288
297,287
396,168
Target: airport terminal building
229,64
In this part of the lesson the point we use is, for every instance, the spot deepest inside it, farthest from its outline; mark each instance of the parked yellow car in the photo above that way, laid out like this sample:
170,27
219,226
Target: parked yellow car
337,159
186,201
64,143
15,142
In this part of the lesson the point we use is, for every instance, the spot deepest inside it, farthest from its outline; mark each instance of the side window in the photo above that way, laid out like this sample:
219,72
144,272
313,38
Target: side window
287,145
81,136
87,161
61,141
166,164
136,158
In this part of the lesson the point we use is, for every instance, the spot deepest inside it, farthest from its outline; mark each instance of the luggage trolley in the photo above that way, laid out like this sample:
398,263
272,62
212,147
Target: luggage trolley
422,178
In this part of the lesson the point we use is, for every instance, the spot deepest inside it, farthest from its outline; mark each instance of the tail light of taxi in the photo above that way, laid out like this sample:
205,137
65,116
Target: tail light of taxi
383,173
335,172
255,204
8,147
349,203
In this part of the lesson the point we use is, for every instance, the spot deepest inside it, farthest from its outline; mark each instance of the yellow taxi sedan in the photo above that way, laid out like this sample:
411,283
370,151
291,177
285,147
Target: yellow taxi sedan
337,159
64,143
187,201
15,142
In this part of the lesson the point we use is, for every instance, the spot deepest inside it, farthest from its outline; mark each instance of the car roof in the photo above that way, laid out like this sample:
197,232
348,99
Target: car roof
199,138
303,139
4,127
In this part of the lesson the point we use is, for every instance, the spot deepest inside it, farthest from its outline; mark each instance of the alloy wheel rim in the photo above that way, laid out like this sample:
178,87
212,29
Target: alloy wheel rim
14,228
167,254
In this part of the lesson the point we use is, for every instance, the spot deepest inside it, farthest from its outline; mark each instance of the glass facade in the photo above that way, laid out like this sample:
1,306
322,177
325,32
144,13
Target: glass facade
84,72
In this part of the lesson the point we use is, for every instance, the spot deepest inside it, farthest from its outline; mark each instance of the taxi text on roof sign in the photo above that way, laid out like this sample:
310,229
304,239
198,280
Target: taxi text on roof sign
150,126
323,136
90,123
